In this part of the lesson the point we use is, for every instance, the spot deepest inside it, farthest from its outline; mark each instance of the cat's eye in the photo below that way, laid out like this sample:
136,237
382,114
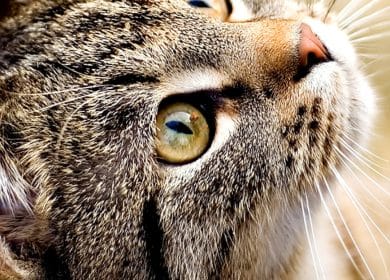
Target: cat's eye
198,4
183,133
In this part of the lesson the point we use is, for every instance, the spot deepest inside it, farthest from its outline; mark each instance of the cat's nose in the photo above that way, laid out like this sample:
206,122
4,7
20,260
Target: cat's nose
311,51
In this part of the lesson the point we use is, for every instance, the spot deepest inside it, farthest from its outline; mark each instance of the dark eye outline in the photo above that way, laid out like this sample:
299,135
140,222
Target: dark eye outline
207,103
198,4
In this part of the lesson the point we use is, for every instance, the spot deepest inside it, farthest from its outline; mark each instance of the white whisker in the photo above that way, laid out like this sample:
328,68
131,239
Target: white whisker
327,210
68,90
359,155
376,74
359,209
373,169
380,26
362,209
367,190
69,100
361,171
345,224
368,20
309,240
347,10
358,13
316,251
371,38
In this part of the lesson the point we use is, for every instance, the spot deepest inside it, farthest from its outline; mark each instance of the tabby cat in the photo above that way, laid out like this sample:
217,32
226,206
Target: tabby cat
153,139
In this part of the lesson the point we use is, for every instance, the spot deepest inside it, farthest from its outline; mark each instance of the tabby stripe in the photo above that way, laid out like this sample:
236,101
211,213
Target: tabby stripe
128,79
154,237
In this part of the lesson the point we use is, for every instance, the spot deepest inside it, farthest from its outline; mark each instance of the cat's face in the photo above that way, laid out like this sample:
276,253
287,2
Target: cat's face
97,99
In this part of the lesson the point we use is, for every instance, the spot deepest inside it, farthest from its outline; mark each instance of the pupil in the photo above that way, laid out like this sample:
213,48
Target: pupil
179,127
198,4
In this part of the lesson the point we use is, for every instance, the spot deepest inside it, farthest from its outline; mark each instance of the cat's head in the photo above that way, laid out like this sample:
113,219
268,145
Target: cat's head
159,141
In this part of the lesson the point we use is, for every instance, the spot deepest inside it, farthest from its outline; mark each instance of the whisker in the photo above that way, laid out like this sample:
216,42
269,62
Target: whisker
358,155
371,168
364,149
358,13
368,20
63,128
370,38
359,208
67,90
316,251
66,101
376,73
379,26
331,5
367,190
341,180
361,171
88,101
348,9
327,210
87,76
345,224
309,240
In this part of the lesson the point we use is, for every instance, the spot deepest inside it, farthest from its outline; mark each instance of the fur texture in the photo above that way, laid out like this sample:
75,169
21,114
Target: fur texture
84,195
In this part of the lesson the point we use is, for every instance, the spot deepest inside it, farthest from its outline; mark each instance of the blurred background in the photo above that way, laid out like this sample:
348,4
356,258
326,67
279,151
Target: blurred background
372,231
374,50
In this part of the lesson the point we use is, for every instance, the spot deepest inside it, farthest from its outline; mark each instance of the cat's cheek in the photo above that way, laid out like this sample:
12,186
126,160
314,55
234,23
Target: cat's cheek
350,87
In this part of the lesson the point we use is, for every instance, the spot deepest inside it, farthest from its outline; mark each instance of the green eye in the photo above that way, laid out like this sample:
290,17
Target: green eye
183,133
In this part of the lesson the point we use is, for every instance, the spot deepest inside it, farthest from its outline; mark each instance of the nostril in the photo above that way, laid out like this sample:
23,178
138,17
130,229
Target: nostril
311,51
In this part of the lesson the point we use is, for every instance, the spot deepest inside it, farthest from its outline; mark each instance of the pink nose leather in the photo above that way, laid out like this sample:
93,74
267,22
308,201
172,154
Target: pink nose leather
311,50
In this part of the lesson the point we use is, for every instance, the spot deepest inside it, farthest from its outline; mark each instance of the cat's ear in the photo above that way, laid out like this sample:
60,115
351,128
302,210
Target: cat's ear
15,192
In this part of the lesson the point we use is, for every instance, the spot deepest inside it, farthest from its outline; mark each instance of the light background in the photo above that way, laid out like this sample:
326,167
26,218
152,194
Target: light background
378,70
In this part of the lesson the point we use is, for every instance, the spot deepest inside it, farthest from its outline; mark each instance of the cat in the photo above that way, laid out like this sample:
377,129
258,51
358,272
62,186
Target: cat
153,139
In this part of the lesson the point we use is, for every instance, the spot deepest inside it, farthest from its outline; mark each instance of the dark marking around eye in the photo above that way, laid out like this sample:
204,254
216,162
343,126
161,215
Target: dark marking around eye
179,127
198,4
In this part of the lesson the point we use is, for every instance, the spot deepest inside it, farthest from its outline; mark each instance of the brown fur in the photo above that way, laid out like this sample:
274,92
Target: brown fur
87,198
